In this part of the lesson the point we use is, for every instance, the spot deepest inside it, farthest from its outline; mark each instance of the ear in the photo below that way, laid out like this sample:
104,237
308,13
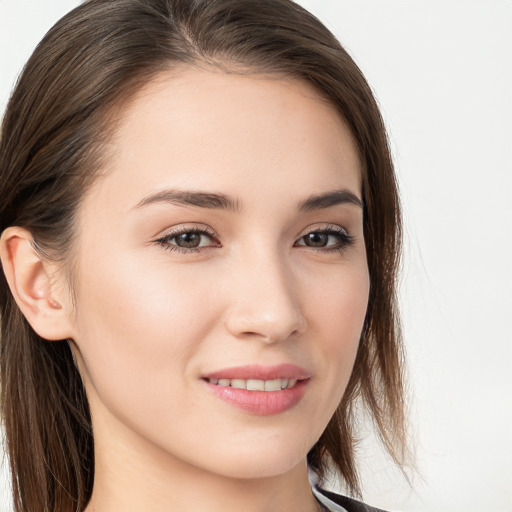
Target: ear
30,279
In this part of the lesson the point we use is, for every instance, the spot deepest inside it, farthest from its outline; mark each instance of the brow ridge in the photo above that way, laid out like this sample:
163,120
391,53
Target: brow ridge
219,201
210,200
329,199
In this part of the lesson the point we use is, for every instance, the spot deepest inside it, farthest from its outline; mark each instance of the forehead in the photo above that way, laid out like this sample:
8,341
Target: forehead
196,128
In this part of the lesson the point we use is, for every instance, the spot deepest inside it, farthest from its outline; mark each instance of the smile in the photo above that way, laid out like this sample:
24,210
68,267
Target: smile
260,390
255,384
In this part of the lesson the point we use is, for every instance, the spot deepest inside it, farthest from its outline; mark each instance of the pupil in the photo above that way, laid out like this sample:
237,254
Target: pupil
316,239
188,240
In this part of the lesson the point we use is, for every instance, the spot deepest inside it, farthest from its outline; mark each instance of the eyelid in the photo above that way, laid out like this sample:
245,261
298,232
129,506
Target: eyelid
187,228
346,238
163,238
324,227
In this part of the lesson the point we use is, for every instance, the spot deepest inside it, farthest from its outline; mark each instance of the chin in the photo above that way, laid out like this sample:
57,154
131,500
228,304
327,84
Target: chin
251,469
259,460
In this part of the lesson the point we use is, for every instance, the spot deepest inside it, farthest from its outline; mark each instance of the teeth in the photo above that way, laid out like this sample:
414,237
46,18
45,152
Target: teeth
273,385
238,383
255,384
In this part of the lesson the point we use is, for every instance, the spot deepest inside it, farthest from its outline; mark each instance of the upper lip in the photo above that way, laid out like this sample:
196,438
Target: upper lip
260,372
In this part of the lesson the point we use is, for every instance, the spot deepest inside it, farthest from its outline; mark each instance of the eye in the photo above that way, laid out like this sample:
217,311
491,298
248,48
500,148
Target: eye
333,238
188,239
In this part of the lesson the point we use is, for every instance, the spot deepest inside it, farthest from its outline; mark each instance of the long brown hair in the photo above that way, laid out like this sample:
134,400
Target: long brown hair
61,113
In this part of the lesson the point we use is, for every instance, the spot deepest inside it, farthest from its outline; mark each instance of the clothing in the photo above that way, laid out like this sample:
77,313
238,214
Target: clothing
335,503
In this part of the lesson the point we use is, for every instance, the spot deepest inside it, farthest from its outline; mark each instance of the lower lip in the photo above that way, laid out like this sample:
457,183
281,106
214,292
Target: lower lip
263,403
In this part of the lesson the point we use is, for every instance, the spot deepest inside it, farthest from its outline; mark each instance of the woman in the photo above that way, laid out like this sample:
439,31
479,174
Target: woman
200,236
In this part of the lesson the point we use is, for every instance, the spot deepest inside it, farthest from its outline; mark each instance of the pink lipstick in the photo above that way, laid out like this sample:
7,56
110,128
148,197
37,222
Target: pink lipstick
261,390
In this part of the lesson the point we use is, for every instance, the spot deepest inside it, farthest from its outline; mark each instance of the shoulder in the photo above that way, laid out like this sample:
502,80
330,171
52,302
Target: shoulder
333,502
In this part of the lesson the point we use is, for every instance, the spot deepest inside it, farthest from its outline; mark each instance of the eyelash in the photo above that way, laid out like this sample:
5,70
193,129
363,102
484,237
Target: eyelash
199,230
344,239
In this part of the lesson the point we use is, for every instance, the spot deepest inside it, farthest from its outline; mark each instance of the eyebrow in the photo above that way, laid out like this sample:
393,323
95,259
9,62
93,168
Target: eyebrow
217,201
192,198
328,199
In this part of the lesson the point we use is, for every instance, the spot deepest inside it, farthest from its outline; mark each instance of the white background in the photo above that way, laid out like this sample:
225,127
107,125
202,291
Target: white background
442,72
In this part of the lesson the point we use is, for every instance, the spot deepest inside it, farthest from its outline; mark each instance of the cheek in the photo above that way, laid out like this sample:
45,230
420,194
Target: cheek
138,333
136,302
337,313
338,300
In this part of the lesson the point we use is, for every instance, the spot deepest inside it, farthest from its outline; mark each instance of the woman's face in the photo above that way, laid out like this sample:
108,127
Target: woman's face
223,249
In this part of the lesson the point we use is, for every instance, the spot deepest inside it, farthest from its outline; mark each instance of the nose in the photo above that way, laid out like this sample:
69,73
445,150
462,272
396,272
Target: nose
264,300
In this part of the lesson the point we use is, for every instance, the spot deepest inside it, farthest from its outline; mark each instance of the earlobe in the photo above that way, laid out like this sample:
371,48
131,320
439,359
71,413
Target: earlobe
30,280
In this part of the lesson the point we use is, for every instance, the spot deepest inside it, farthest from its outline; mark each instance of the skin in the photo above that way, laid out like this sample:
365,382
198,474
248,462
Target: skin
151,320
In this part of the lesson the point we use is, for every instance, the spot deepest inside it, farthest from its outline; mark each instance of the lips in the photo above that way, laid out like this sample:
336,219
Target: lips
261,390
260,372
